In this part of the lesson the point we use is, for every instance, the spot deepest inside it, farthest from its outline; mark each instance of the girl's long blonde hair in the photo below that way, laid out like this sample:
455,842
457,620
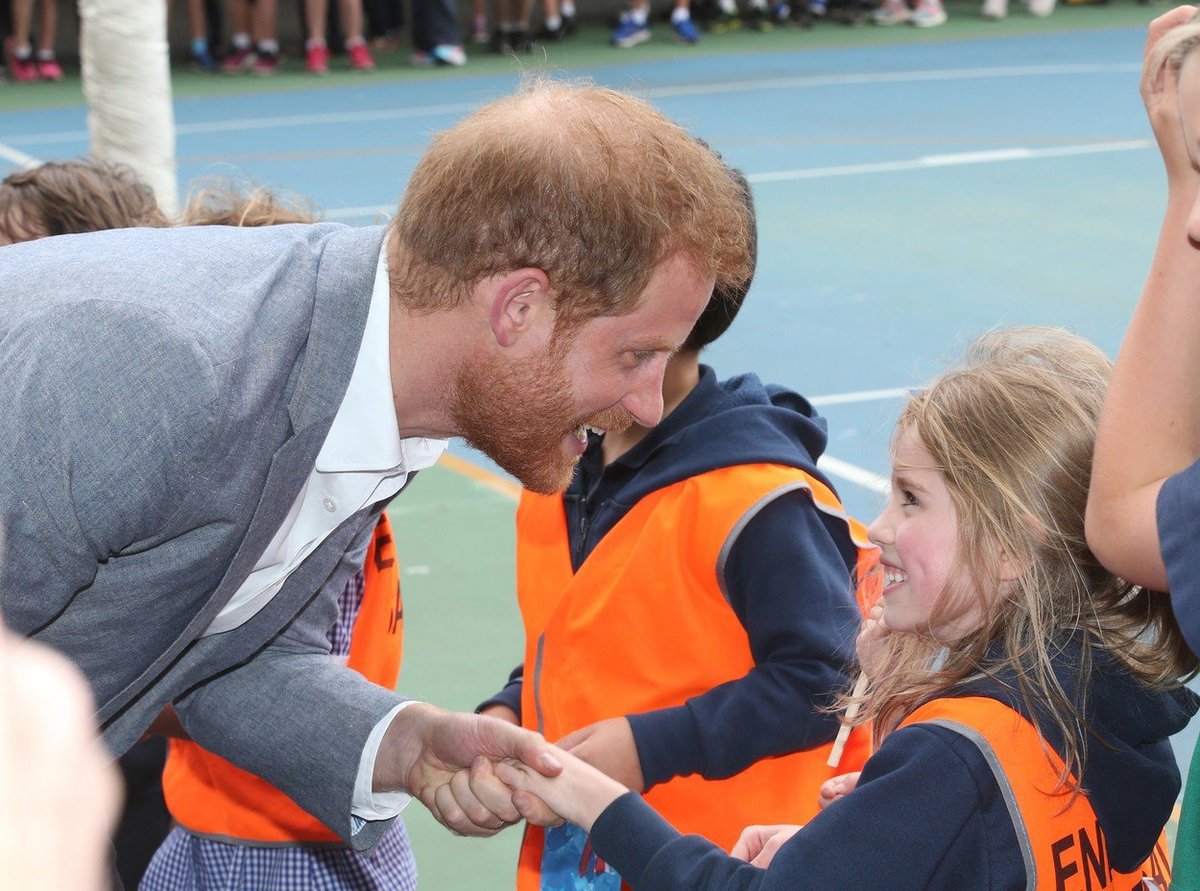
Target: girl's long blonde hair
1012,430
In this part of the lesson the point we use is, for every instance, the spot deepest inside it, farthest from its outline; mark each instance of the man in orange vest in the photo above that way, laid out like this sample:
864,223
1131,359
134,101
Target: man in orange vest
689,610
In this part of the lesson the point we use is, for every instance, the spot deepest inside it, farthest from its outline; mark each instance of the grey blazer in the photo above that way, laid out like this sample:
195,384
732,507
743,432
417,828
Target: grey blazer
165,394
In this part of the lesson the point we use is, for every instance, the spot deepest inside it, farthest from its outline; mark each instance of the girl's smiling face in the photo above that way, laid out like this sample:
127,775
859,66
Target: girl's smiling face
917,534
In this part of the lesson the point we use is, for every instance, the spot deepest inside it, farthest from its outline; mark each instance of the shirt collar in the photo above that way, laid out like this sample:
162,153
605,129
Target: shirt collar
365,435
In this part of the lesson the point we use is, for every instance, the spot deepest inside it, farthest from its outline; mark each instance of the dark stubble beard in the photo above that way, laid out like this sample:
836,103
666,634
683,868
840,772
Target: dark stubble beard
517,414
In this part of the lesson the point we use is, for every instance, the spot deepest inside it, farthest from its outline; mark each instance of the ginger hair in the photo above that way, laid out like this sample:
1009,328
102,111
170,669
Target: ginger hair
590,185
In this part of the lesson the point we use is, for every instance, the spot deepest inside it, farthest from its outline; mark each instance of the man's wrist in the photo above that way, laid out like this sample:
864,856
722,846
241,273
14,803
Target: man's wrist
401,748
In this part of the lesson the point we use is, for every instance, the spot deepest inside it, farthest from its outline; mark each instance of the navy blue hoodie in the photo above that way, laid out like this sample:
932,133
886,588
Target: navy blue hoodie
928,813
788,577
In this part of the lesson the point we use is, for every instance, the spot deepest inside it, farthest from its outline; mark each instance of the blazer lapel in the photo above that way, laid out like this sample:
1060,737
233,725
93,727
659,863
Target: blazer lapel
345,280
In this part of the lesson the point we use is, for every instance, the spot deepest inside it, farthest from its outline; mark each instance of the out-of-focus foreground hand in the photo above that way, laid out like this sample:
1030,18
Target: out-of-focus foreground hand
429,753
59,790
609,746
757,845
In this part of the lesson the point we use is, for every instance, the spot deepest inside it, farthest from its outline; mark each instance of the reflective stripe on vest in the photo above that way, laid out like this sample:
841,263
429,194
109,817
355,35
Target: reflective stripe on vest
211,797
1062,844
645,624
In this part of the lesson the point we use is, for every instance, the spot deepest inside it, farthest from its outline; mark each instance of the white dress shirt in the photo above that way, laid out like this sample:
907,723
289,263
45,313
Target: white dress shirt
363,460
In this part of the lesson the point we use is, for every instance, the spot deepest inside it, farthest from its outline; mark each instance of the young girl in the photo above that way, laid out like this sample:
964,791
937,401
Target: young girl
1021,696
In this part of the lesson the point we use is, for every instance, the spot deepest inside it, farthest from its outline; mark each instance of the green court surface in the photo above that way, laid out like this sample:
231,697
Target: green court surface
462,637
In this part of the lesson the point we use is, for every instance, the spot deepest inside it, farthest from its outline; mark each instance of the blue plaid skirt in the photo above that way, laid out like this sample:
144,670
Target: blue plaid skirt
187,862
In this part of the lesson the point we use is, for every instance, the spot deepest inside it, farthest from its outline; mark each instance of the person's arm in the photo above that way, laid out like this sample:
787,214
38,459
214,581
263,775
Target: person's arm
293,698
790,587
1150,427
927,814
506,705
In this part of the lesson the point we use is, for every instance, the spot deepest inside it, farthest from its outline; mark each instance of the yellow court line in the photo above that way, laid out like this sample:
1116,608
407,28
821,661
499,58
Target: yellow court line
485,478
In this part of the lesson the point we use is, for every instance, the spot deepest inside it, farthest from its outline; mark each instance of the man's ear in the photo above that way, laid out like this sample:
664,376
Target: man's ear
521,301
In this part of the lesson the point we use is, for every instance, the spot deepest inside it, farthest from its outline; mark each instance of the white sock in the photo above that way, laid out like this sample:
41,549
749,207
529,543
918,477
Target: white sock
568,9
680,14
553,22
640,16
729,7
269,46
241,42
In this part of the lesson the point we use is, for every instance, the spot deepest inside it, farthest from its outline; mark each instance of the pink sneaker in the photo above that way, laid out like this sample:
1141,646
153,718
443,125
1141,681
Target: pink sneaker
48,68
360,56
21,68
316,60
265,64
238,61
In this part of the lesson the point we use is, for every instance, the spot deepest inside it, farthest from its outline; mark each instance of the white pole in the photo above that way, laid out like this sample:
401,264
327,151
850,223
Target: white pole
127,83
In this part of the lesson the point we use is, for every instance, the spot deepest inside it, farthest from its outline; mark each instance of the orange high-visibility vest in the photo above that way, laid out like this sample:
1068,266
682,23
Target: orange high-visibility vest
645,625
1061,840
209,796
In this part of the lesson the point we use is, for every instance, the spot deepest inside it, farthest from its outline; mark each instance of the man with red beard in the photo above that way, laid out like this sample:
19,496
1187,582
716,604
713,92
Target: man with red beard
202,426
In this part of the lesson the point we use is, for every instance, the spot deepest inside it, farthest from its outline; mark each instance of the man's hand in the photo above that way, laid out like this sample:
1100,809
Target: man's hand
759,844
428,753
609,746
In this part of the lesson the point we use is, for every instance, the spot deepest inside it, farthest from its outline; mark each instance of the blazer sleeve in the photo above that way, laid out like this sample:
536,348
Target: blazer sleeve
294,697
106,407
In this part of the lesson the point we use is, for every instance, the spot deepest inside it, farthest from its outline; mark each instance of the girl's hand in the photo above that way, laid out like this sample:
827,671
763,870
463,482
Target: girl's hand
871,636
608,745
758,844
837,787
579,794
1161,96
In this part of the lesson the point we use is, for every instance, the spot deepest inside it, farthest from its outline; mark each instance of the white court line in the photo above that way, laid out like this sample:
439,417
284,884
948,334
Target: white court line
844,470
927,162
19,158
742,86
957,159
860,396
852,473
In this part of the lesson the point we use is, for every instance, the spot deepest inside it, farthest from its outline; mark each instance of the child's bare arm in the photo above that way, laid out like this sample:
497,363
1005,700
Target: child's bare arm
1150,428
579,794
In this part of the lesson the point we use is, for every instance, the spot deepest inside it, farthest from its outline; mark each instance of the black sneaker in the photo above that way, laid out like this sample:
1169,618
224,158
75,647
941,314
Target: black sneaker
522,40
550,35
724,22
758,18
501,42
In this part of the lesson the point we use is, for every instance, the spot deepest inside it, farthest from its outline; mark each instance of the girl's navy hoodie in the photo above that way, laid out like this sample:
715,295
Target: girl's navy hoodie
928,813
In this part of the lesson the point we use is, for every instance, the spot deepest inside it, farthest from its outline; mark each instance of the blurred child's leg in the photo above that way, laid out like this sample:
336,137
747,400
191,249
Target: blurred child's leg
17,49
242,55
352,26
316,53
265,31
47,64
634,27
684,28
